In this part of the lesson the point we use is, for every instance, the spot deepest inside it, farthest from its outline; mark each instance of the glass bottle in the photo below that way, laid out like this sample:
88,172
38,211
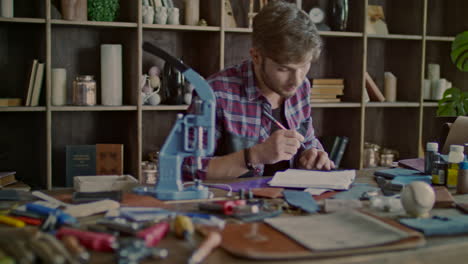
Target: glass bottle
431,151
338,17
454,158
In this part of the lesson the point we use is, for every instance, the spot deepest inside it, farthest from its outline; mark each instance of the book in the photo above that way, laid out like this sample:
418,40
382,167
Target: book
18,186
11,101
30,84
109,159
37,85
323,96
373,90
332,81
330,144
7,178
343,143
80,161
294,178
335,91
328,86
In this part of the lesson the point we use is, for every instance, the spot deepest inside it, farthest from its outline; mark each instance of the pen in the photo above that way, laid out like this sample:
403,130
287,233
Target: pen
279,124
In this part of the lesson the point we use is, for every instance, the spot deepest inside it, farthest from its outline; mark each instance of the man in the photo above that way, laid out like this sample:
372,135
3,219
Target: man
272,83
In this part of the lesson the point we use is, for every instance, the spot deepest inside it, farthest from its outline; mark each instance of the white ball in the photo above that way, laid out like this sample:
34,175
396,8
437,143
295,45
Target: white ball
154,99
417,199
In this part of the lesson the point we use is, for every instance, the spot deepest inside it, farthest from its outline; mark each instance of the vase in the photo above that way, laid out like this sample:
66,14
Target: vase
173,16
148,14
75,10
111,74
59,86
338,17
192,12
160,15
6,8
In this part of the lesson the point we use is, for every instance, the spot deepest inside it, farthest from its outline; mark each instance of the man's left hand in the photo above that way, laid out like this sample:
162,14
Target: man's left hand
314,159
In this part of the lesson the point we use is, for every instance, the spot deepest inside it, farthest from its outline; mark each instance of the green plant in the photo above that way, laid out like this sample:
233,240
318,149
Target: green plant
103,10
454,101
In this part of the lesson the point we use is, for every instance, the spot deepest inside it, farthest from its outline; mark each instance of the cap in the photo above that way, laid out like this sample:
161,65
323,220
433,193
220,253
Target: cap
457,148
432,146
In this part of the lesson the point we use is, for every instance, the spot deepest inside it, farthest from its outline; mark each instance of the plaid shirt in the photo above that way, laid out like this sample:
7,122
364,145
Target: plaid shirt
239,120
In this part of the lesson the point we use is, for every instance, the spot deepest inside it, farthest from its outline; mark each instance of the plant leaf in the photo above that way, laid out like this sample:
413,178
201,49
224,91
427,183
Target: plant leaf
459,53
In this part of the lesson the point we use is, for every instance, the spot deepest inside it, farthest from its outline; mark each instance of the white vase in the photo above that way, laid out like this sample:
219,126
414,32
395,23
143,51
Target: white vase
160,15
173,16
390,87
192,12
59,86
111,74
6,8
148,14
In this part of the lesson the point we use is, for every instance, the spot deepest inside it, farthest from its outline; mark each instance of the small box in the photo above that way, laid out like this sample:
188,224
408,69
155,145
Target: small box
104,183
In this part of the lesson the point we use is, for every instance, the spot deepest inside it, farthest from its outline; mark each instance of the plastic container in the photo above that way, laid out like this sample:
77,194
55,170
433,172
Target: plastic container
432,149
462,184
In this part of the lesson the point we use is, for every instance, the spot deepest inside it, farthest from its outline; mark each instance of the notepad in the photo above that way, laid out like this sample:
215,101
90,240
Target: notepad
336,180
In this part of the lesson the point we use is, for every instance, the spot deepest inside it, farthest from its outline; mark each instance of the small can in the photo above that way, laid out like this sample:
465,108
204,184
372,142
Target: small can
84,90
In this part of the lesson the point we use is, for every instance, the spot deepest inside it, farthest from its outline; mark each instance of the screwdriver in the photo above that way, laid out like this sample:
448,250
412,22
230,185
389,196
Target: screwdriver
183,228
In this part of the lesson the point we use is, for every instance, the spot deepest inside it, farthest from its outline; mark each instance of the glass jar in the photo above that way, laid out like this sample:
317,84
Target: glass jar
386,158
84,90
371,155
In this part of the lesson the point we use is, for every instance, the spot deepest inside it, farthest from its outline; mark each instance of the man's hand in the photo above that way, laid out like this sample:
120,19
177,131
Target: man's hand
281,145
315,159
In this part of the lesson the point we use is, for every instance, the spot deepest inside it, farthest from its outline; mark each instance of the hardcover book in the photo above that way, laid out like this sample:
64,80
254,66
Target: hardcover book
80,161
7,178
109,159
373,90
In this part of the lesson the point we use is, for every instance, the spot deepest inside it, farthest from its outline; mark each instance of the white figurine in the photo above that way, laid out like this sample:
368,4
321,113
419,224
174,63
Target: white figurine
417,199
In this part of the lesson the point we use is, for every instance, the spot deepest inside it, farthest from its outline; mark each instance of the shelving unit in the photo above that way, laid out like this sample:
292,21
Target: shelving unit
33,139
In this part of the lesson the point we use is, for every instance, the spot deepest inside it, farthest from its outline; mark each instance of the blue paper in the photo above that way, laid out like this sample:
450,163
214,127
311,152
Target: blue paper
392,173
438,225
355,192
302,200
403,180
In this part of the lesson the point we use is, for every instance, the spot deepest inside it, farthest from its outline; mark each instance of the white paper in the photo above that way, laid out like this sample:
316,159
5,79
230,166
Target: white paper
336,180
316,191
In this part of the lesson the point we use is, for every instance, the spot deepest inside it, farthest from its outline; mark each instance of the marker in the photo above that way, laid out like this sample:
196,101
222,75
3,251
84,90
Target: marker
276,122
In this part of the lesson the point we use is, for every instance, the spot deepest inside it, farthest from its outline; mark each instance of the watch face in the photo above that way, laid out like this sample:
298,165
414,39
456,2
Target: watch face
317,15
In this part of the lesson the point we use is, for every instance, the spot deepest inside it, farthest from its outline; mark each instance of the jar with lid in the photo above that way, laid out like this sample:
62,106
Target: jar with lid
84,90
454,158
371,155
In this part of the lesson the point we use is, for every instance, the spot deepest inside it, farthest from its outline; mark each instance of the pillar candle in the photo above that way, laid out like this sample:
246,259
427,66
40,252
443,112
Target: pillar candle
59,86
6,8
111,74
192,12
390,88
433,71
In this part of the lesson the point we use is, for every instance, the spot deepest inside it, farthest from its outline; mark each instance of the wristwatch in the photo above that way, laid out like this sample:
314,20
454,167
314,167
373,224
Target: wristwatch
247,161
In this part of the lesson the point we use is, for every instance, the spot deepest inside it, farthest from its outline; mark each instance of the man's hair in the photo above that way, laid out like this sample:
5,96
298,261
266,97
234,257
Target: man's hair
285,34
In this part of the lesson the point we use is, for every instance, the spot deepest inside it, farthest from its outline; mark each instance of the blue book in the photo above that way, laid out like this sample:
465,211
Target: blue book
80,161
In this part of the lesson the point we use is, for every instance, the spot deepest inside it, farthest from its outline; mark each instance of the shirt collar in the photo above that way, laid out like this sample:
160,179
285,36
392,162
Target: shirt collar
250,83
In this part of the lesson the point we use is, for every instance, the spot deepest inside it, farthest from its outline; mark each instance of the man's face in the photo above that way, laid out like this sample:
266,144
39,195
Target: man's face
283,79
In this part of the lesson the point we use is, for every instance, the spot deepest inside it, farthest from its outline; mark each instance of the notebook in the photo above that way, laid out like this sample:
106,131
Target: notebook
336,180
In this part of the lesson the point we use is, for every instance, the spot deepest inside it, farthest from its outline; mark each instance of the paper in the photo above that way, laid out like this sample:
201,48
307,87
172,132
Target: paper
337,180
341,230
316,191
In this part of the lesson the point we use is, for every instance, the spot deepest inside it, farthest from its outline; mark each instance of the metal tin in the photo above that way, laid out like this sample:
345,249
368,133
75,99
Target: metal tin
84,90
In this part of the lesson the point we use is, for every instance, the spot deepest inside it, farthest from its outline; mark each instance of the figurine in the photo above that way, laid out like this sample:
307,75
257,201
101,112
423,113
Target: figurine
417,199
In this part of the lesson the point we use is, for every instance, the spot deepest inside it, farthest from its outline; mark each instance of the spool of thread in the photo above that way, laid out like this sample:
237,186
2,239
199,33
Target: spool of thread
6,8
111,74
59,86
433,71
192,12
390,87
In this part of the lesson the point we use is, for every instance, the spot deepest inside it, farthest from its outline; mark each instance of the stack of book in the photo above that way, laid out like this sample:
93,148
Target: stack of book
7,178
34,83
326,90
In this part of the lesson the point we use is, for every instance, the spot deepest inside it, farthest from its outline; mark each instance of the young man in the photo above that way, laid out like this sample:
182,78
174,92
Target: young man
273,82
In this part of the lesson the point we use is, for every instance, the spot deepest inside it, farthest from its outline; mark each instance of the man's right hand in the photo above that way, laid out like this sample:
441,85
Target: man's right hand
281,145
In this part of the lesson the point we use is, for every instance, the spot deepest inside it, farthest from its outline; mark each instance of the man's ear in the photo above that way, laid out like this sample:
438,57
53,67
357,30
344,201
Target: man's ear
255,55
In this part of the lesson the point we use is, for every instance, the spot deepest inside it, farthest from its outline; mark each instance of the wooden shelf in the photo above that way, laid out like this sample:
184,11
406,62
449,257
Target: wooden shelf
341,34
94,23
23,20
392,104
93,108
165,108
180,27
22,109
430,104
395,36
335,105
439,38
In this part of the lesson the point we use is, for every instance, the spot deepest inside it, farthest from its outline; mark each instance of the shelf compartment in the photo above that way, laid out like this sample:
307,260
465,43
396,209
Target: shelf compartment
89,128
27,9
400,57
193,47
59,22
330,122
155,130
16,56
446,18
402,17
23,146
432,126
81,56
236,49
387,128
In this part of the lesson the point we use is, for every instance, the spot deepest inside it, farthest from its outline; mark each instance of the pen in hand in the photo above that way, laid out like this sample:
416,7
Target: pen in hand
276,122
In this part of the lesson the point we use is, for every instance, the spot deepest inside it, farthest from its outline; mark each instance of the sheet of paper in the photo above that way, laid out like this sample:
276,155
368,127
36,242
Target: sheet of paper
336,180
341,230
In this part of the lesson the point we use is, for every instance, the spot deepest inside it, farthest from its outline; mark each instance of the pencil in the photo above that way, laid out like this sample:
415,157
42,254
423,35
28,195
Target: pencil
276,122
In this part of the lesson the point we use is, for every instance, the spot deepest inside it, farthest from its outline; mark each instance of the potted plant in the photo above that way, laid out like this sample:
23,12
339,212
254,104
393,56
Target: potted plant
454,101
103,10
